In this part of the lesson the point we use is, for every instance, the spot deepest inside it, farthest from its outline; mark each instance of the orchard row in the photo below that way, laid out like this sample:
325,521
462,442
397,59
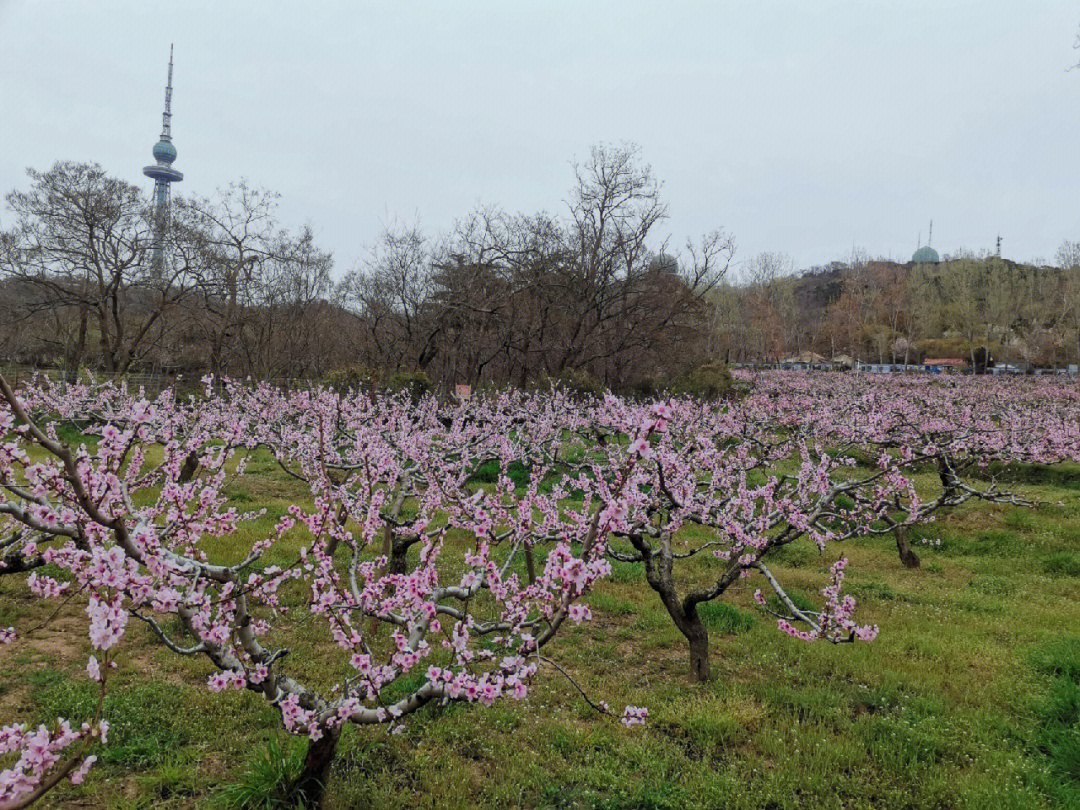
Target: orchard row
412,567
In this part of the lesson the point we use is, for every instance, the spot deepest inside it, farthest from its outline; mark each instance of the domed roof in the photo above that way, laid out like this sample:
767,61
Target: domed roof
164,152
925,255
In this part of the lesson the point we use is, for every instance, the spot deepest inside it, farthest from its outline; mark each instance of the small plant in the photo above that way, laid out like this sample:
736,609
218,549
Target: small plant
269,781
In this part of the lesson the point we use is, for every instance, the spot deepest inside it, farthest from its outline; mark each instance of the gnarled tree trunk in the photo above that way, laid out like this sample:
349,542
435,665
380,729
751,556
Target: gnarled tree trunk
683,612
698,637
908,557
310,786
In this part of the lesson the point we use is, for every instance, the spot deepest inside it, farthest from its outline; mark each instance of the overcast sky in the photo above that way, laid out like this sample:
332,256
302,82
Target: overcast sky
802,127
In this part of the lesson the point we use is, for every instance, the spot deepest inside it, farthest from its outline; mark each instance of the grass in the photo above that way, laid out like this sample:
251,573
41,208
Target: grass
1059,712
969,698
264,783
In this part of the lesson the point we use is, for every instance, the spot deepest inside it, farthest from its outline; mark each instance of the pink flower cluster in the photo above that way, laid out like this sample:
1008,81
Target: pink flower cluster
634,716
40,752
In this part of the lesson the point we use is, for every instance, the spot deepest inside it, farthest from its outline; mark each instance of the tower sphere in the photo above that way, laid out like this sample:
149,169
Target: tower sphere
164,152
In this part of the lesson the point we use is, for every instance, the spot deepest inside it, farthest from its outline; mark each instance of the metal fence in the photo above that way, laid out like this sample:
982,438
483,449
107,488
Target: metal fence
151,383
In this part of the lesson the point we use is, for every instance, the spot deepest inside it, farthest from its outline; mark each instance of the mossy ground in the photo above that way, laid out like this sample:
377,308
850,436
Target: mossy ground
970,696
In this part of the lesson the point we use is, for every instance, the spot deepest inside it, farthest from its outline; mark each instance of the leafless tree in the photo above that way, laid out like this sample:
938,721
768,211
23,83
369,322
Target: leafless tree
516,298
80,251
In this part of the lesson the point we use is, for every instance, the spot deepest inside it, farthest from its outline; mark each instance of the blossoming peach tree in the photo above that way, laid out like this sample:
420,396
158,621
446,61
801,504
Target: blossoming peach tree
814,459
135,521
745,490
966,434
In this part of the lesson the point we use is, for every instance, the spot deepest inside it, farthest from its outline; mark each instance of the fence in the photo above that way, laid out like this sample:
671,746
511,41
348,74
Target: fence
151,383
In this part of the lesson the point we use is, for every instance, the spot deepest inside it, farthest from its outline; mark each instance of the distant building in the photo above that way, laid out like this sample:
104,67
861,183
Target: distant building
926,254
806,361
1011,368
944,365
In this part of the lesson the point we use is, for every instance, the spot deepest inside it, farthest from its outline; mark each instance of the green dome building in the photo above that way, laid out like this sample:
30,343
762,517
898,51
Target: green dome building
925,255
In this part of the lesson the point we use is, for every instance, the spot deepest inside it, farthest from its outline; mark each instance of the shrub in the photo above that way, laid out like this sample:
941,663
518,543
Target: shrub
353,378
646,388
576,382
710,382
413,383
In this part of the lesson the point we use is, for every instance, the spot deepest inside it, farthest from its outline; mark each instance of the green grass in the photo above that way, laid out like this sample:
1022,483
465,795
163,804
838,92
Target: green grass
720,617
1063,564
969,698
267,781
133,742
1058,738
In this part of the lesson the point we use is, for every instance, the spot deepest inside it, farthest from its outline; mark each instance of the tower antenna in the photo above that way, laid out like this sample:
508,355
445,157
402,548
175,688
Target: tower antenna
930,237
166,117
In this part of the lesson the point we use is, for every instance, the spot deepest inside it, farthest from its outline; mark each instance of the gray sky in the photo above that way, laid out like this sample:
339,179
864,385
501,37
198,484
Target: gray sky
803,127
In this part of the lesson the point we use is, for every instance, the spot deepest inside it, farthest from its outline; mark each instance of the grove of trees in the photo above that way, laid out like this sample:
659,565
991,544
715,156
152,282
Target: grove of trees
502,298
455,598
592,294
886,312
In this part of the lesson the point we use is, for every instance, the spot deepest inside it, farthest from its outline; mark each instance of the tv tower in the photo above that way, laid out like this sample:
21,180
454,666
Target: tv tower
163,172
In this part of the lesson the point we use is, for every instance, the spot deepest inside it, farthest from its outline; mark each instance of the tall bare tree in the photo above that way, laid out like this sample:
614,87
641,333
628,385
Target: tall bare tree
80,250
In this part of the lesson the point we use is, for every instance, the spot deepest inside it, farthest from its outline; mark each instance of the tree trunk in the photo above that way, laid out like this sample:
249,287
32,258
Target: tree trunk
908,557
310,786
530,564
76,355
399,558
191,466
684,614
689,623
698,637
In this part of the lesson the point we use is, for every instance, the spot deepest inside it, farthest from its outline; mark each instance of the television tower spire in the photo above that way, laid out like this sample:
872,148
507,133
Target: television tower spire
163,172
166,117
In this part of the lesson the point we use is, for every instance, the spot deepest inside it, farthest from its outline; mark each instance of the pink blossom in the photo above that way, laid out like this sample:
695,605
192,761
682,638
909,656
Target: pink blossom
634,716
579,612
79,774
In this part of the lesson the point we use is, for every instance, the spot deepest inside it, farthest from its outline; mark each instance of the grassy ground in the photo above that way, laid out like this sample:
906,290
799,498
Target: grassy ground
970,696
